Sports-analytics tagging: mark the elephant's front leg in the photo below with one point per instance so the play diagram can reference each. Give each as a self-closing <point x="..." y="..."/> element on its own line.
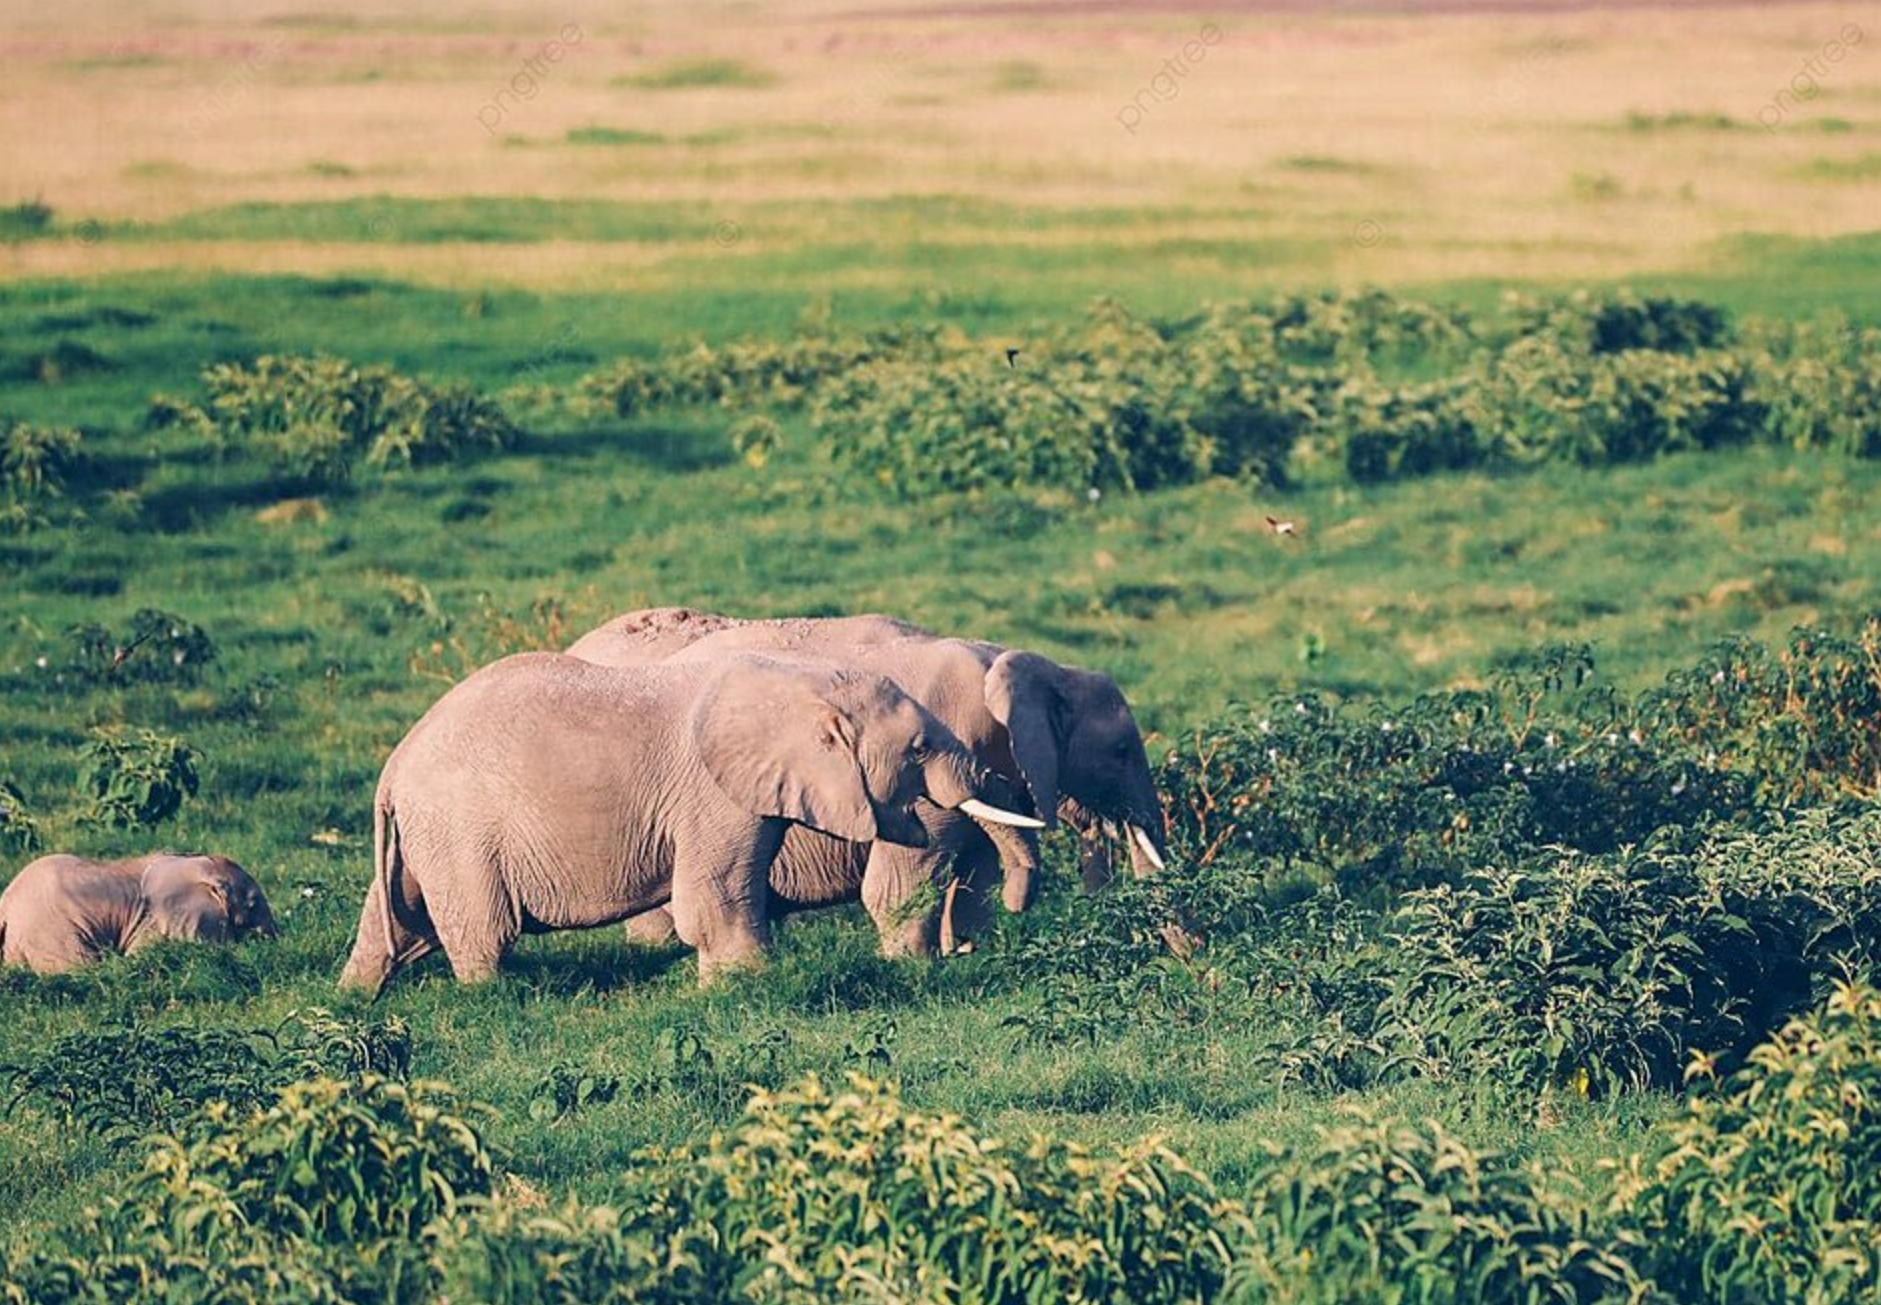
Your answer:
<point x="722" y="893"/>
<point x="901" y="890"/>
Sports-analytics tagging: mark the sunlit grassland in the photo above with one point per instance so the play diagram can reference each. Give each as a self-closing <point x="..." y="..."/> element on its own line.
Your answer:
<point x="680" y="176"/>
<point x="862" y="149"/>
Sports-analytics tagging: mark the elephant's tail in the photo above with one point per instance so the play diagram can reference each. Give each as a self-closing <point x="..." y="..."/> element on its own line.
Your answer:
<point x="367" y="969"/>
<point x="385" y="857"/>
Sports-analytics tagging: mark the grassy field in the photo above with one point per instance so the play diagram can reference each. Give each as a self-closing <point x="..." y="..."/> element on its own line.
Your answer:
<point x="226" y="186"/>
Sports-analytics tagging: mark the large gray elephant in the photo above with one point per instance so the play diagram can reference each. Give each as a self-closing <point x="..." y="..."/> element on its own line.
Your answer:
<point x="62" y="911"/>
<point x="545" y="792"/>
<point x="1063" y="735"/>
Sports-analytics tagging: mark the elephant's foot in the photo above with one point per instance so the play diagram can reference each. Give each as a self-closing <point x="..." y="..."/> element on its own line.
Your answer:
<point x="366" y="974"/>
<point x="474" y="968"/>
<point x="722" y="963"/>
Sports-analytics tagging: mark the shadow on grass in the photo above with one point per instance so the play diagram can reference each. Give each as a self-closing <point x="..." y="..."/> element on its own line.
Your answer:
<point x="661" y="448"/>
<point x="591" y="962"/>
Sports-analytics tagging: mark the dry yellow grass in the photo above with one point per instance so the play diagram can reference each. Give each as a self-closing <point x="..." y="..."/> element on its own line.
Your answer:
<point x="1397" y="146"/>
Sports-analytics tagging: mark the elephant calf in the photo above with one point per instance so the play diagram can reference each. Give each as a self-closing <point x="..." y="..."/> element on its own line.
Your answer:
<point x="545" y="792"/>
<point x="62" y="911"/>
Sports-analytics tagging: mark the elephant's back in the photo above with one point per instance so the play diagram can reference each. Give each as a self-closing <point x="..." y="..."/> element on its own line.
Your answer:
<point x="42" y="886"/>
<point x="651" y="635"/>
<point x="516" y="710"/>
<point x="45" y="872"/>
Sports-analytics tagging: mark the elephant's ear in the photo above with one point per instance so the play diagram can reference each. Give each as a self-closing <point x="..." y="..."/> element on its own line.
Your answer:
<point x="778" y="746"/>
<point x="185" y="900"/>
<point x="1022" y="694"/>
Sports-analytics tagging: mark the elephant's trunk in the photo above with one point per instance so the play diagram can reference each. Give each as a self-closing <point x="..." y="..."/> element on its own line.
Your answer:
<point x="955" y="781"/>
<point x="994" y="804"/>
<point x="951" y="777"/>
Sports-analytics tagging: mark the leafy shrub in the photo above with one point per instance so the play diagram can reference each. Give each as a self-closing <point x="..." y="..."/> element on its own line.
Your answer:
<point x="26" y="219"/>
<point x="19" y="828"/>
<point x="1822" y="389"/>
<point x="137" y="778"/>
<point x="1382" y="1212"/>
<point x="158" y="646"/>
<point x="1769" y="1188"/>
<point x="819" y="1195"/>
<point x="1413" y="794"/>
<point x="316" y="417"/>
<point x="755" y="439"/>
<point x="1614" y="321"/>
<point x="137" y="1079"/>
<point x="1804" y="720"/>
<point x="327" y="1195"/>
<point x="37" y="464"/>
<point x="37" y="461"/>
<point x="1381" y="386"/>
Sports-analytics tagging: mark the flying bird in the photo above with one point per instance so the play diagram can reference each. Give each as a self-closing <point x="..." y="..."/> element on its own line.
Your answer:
<point x="1012" y="356"/>
<point x="1284" y="527"/>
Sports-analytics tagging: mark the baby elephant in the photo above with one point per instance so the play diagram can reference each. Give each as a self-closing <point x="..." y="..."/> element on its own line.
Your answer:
<point x="63" y="911"/>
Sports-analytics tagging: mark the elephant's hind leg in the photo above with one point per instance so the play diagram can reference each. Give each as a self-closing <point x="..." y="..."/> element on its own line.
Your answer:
<point x="479" y="930"/>
<point x="388" y="942"/>
<point x="466" y="890"/>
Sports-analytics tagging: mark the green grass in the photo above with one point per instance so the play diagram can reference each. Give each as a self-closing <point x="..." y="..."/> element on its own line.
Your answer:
<point x="331" y="623"/>
<point x="1860" y="167"/>
<point x="688" y="74"/>
<point x="612" y="136"/>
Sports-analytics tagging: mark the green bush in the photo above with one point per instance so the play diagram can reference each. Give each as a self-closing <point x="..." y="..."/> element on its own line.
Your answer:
<point x="134" y="1079"/>
<point x="327" y="1195"/>
<point x="1381" y="386"/>
<point x="158" y="646"/>
<point x="19" y="828"/>
<point x="317" y="417"/>
<point x="1804" y="720"/>
<point x="821" y="1195"/>
<point x="1769" y="1188"/>
<point x="1411" y="794"/>
<point x="136" y="778"/>
<point x="371" y="1190"/>
<point x="37" y="466"/>
<point x="1376" y="1212"/>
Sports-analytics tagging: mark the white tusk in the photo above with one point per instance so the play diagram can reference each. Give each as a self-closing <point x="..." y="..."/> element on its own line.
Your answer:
<point x="1149" y="849"/>
<point x="975" y="807"/>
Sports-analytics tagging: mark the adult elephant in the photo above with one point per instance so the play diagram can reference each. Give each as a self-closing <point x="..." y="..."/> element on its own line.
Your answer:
<point x="1062" y="734"/>
<point x="63" y="911"/>
<point x="545" y="792"/>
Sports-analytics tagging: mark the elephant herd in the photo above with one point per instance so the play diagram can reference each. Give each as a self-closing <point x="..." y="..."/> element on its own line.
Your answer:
<point x="693" y="775"/>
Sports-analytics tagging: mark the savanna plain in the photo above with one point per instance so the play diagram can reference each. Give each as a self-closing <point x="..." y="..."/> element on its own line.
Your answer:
<point x="1457" y="429"/>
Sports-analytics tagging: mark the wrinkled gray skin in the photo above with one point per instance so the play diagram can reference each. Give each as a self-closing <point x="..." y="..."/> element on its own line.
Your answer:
<point x="1062" y="735"/>
<point x="545" y="792"/>
<point x="63" y="911"/>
